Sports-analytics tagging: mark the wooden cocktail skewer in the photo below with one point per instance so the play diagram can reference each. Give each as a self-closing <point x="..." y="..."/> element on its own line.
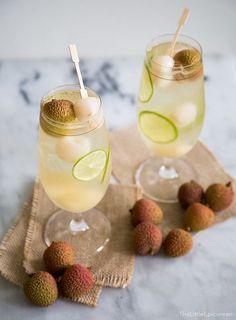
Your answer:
<point x="181" y="23"/>
<point x="75" y="59"/>
<point x="88" y="105"/>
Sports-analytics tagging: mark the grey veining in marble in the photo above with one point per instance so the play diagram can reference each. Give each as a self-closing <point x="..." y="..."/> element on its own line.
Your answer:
<point x="162" y="288"/>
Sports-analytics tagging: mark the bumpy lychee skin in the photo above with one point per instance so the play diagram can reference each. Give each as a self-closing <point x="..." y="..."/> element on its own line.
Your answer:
<point x="59" y="110"/>
<point x="76" y="281"/>
<point x="189" y="193"/>
<point x="177" y="243"/>
<point x="41" y="289"/>
<point x="146" y="210"/>
<point x="198" y="217"/>
<point x="59" y="256"/>
<point x="219" y="196"/>
<point x="147" y="239"/>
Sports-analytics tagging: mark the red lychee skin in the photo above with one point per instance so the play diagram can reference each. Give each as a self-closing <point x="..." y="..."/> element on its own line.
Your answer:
<point x="147" y="239"/>
<point x="76" y="281"/>
<point x="145" y="210"/>
<point x="189" y="193"/>
<point x="219" y="197"/>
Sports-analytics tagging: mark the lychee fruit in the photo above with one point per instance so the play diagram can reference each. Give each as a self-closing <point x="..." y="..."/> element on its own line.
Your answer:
<point x="219" y="196"/>
<point x="41" y="289"/>
<point x="146" y="210"/>
<point x="189" y="193"/>
<point x="59" y="256"/>
<point x="147" y="239"/>
<point x="198" y="217"/>
<point x="76" y="280"/>
<point x="177" y="243"/>
<point x="59" y="110"/>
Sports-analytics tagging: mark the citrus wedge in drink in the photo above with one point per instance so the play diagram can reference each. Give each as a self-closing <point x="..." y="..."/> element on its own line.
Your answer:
<point x="90" y="165"/>
<point x="106" y="165"/>
<point x="157" y="127"/>
<point x="146" y="86"/>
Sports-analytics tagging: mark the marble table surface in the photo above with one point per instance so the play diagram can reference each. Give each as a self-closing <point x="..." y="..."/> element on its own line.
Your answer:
<point x="197" y="286"/>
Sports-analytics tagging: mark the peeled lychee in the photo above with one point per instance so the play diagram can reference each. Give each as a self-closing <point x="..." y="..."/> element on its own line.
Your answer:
<point x="184" y="114"/>
<point x="85" y="108"/>
<point x="147" y="239"/>
<point x="219" y="196"/>
<point x="146" y="210"/>
<point x="59" y="256"/>
<point x="198" y="217"/>
<point x="187" y="57"/>
<point x="71" y="148"/>
<point x="189" y="193"/>
<point x="76" y="281"/>
<point x="162" y="65"/>
<point x="177" y="243"/>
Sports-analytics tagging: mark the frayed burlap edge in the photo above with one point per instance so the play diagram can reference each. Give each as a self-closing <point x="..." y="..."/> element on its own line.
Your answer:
<point x="4" y="271"/>
<point x="31" y="225"/>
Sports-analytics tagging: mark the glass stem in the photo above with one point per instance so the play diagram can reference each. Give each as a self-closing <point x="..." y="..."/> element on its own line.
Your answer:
<point x="77" y="226"/>
<point x="167" y="171"/>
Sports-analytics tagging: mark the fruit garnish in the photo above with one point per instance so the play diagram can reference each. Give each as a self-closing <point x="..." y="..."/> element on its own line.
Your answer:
<point x="59" y="110"/>
<point x="186" y="57"/>
<point x="90" y="166"/>
<point x="106" y="165"/>
<point x="184" y="115"/>
<point x="85" y="108"/>
<point x="146" y="86"/>
<point x="157" y="127"/>
<point x="71" y="148"/>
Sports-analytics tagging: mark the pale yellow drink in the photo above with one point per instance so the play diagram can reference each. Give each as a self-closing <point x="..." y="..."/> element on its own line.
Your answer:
<point x="170" y="115"/>
<point x="62" y="146"/>
<point x="171" y="102"/>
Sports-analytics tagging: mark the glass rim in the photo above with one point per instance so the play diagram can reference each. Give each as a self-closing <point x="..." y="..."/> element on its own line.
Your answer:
<point x="175" y="68"/>
<point x="72" y="127"/>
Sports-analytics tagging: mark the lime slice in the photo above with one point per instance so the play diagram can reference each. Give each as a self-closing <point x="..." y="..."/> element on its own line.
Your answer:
<point x="90" y="166"/>
<point x="146" y="86"/>
<point x="156" y="127"/>
<point x="106" y="166"/>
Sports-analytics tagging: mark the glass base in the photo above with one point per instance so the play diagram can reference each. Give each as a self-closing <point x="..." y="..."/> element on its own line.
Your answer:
<point x="88" y="232"/>
<point x="161" y="180"/>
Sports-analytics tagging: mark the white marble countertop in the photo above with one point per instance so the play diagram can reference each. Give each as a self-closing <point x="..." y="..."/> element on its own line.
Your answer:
<point x="162" y="288"/>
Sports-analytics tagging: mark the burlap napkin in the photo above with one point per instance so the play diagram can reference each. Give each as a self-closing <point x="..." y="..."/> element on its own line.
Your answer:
<point x="114" y="265"/>
<point x="128" y="151"/>
<point x="12" y="256"/>
<point x="12" y="248"/>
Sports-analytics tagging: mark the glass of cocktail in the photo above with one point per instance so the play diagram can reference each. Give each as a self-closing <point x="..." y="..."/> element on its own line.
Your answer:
<point x="74" y="169"/>
<point x="170" y="114"/>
